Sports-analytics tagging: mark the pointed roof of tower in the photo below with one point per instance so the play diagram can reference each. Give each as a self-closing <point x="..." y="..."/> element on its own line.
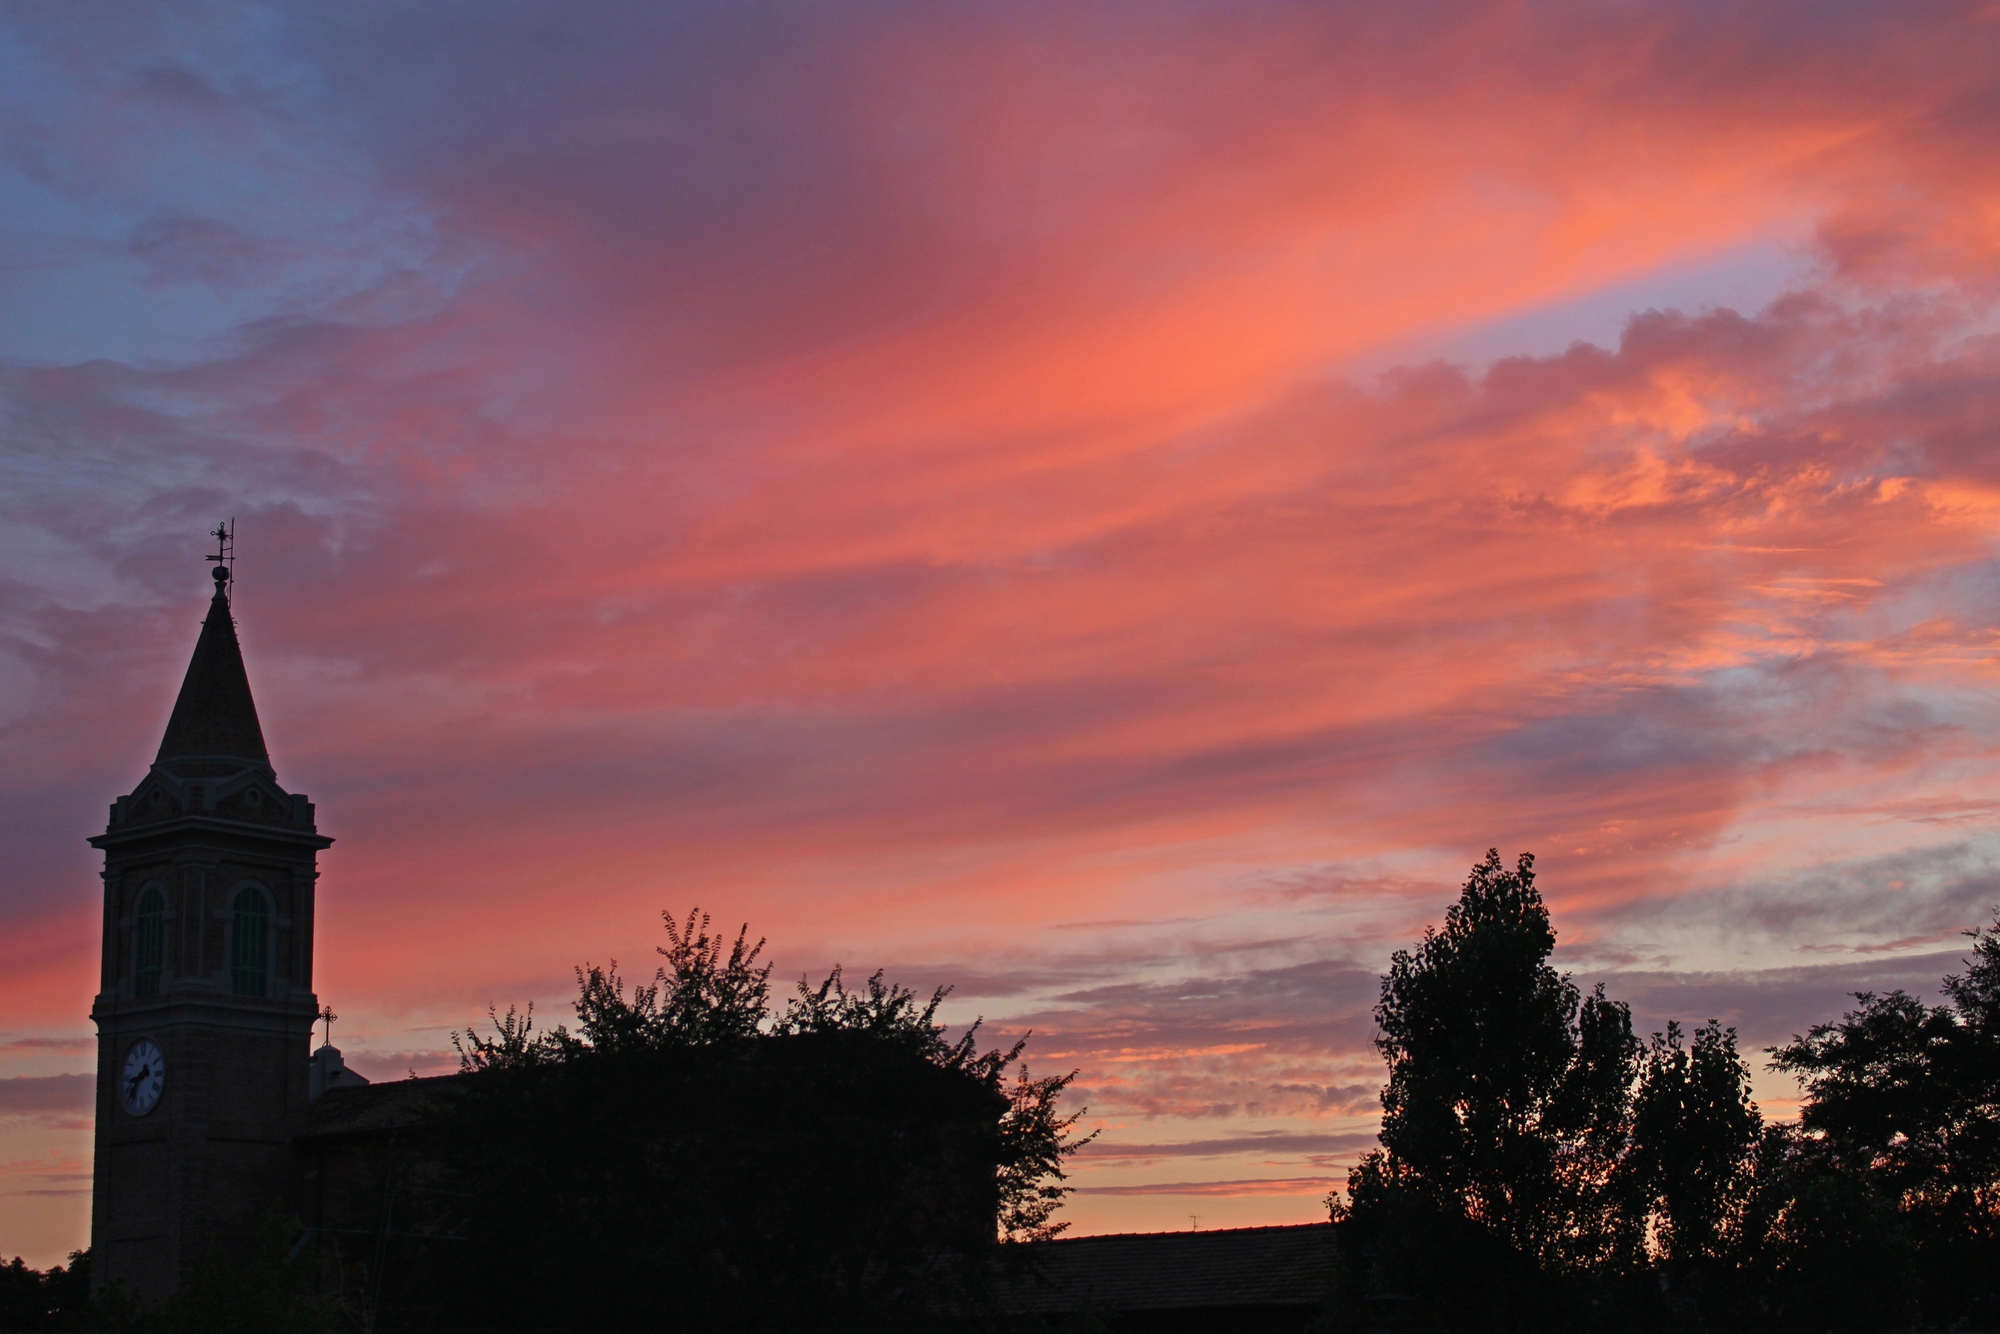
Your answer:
<point x="215" y="716"/>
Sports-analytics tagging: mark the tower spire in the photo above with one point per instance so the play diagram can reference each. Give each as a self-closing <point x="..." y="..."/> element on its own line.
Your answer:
<point x="214" y="717"/>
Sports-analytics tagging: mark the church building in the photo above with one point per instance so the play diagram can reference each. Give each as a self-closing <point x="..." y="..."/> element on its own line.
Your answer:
<point x="214" y="1114"/>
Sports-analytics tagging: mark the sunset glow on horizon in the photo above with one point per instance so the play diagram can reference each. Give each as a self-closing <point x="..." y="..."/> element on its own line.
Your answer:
<point x="1111" y="508"/>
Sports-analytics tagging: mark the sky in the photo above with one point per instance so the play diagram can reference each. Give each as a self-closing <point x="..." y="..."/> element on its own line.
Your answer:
<point x="1110" y="507"/>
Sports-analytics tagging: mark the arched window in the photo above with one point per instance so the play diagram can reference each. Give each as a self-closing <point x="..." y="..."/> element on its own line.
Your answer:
<point x="249" y="948"/>
<point x="149" y="939"/>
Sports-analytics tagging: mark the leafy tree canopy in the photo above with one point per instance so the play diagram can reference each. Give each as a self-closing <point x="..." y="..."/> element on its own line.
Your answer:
<point x="1507" y="1089"/>
<point x="1540" y="1169"/>
<point x="712" y="990"/>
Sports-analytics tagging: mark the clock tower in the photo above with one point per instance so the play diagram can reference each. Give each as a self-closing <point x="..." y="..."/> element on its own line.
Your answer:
<point x="205" y="1006"/>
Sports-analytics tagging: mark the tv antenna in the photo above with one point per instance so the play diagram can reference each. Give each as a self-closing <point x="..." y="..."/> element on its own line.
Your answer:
<point x="225" y="556"/>
<point x="1196" y="1220"/>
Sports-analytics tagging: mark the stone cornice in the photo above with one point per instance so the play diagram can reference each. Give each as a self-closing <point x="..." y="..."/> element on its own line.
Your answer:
<point x="233" y="830"/>
<point x="295" y="1015"/>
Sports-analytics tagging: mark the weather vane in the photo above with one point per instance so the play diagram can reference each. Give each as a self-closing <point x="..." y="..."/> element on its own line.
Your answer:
<point x="225" y="554"/>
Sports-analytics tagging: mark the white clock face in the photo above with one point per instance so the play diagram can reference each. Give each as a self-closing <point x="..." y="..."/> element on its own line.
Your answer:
<point x="145" y="1074"/>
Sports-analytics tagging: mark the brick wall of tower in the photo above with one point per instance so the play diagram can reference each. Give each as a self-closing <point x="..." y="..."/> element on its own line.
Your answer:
<point x="198" y="891"/>
<point x="195" y="1177"/>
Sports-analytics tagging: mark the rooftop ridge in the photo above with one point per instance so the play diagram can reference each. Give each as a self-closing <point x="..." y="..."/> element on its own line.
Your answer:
<point x="1190" y="1232"/>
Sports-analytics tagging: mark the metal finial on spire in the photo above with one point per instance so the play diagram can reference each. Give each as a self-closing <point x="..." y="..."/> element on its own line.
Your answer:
<point x="327" y="1016"/>
<point x="224" y="534"/>
<point x="214" y="716"/>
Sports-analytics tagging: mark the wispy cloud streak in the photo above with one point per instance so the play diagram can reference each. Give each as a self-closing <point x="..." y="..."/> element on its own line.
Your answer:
<point x="917" y="479"/>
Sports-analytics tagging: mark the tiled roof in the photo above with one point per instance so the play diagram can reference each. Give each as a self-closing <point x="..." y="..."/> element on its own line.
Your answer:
<point x="1178" y="1271"/>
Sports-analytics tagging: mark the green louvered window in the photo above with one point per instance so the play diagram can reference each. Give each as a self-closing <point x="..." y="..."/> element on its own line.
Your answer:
<point x="249" y="945"/>
<point x="149" y="941"/>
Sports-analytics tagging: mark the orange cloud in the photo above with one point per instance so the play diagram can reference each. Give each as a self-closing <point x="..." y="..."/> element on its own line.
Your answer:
<point x="905" y="479"/>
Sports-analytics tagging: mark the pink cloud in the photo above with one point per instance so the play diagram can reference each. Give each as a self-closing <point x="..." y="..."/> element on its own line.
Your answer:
<point x="30" y="1095"/>
<point x="1253" y="1186"/>
<point x="890" y="476"/>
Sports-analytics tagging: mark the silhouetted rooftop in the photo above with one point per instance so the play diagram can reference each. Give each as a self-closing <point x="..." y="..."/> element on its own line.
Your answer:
<point x="375" y="1109"/>
<point x="1250" y="1268"/>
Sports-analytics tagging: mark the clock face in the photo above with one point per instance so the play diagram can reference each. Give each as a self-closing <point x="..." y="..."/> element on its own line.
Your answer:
<point x="145" y="1074"/>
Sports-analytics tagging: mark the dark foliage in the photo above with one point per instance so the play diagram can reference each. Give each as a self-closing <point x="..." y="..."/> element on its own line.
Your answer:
<point x="269" y="1290"/>
<point x="1034" y="1136"/>
<point x="1824" y="1248"/>
<point x="1539" y="1169"/>
<point x="686" y="1157"/>
<point x="34" y="1299"/>
<point x="1903" y="1101"/>
<point x="1503" y="1119"/>
<point x="1693" y="1132"/>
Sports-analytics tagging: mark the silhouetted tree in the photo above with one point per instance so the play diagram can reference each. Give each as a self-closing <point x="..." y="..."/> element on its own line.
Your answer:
<point x="700" y="996"/>
<point x="686" y="1155"/>
<point x="1538" y="1170"/>
<point x="1503" y="1119"/>
<point x="1902" y="1112"/>
<point x="35" y="1299"/>
<point x="267" y="1291"/>
<point x="1824" y="1249"/>
<point x="1694" y="1130"/>
<point x="1877" y="1089"/>
<point x="1035" y="1137"/>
